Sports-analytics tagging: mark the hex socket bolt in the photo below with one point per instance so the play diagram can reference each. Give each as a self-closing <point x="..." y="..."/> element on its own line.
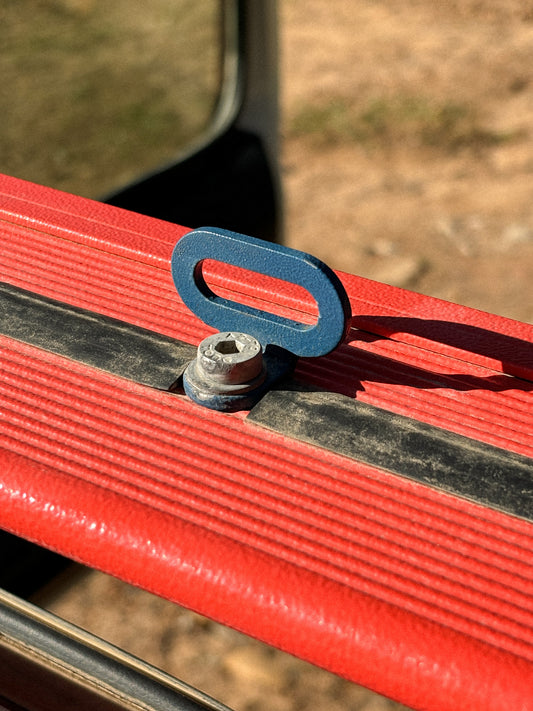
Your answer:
<point x="228" y="362"/>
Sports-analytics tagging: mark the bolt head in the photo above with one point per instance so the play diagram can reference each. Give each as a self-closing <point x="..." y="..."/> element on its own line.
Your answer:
<point x="230" y="358"/>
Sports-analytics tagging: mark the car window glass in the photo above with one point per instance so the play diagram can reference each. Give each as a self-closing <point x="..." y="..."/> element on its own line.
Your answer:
<point x="94" y="94"/>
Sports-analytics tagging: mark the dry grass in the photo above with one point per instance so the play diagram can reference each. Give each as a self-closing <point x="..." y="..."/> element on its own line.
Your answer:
<point x="388" y="122"/>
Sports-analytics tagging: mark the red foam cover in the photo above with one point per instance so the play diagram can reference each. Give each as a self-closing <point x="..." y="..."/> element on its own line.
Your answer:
<point x="417" y="594"/>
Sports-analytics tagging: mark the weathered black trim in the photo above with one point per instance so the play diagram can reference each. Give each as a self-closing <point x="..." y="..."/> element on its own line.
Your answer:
<point x="99" y="341"/>
<point x="443" y="460"/>
<point x="45" y="661"/>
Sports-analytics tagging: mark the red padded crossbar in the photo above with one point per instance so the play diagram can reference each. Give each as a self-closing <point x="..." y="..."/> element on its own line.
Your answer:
<point x="415" y="593"/>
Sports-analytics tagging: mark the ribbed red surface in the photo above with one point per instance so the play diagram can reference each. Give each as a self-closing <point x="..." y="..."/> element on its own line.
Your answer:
<point x="423" y="596"/>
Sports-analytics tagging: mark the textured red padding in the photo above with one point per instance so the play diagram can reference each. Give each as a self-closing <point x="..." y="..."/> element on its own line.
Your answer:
<point x="420" y="595"/>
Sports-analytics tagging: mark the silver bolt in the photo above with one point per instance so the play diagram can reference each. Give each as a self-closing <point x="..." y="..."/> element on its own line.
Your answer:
<point x="228" y="362"/>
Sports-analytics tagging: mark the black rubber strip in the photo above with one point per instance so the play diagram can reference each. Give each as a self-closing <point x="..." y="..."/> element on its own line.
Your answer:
<point x="99" y="341"/>
<point x="461" y="466"/>
<point x="58" y="662"/>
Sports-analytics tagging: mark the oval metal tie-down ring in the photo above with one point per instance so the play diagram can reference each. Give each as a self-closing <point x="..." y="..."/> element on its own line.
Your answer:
<point x="272" y="260"/>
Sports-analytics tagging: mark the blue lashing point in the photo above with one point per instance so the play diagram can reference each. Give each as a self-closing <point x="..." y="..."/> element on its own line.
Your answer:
<point x="282" y="340"/>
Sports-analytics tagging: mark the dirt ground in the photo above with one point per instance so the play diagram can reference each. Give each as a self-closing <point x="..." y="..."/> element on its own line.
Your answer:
<point x="407" y="158"/>
<point x="408" y="148"/>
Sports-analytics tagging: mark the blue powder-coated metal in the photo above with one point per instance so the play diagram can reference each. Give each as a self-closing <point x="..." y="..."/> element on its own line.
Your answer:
<point x="272" y="260"/>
